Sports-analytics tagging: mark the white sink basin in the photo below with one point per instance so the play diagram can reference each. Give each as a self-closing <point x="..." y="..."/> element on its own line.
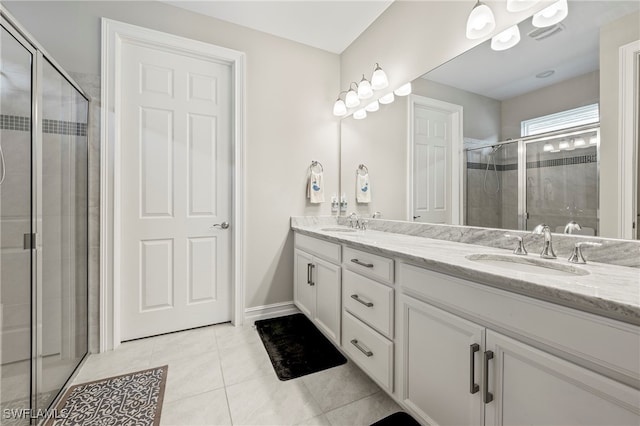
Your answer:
<point x="528" y="264"/>
<point x="338" y="229"/>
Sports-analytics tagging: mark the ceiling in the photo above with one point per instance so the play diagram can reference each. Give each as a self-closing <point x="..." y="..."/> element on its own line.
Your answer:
<point x="570" y="53"/>
<point x="330" y="25"/>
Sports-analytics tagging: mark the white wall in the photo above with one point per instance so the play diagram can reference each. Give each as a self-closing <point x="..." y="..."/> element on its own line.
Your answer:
<point x="572" y="93"/>
<point x="612" y="36"/>
<point x="284" y="131"/>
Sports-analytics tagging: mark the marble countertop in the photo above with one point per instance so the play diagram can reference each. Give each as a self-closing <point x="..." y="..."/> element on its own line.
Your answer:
<point x="607" y="290"/>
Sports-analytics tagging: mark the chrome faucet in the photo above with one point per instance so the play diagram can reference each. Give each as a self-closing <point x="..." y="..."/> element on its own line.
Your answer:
<point x="520" y="249"/>
<point x="572" y="227"/>
<point x="377" y="215"/>
<point x="354" y="220"/>
<point x="576" y="256"/>
<point x="547" y="248"/>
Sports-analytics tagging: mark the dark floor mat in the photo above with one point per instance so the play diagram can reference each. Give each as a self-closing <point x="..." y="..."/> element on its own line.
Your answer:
<point x="397" y="419"/>
<point x="296" y="347"/>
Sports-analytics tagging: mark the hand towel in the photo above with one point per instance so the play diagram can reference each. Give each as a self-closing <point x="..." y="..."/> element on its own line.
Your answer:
<point x="363" y="189"/>
<point x="315" y="187"/>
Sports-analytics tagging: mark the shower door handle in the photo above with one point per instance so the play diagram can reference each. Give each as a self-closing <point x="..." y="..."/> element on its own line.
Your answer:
<point x="29" y="241"/>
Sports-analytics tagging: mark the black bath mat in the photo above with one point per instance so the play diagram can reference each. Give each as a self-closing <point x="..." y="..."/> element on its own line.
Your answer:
<point x="296" y="347"/>
<point x="397" y="419"/>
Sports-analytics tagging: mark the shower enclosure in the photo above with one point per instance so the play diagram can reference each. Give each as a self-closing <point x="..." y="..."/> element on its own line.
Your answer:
<point x="43" y="227"/>
<point x="549" y="178"/>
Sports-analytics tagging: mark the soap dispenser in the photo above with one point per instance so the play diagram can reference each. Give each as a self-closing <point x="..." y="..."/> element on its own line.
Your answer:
<point x="334" y="204"/>
<point x="343" y="203"/>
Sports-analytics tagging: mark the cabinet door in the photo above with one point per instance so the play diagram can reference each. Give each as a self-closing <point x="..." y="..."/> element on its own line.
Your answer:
<point x="442" y="365"/>
<point x="328" y="298"/>
<point x="530" y="386"/>
<point x="304" y="289"/>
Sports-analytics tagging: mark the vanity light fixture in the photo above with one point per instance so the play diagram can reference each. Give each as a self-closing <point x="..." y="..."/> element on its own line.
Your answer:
<point x="564" y="145"/>
<point x="551" y="15"/>
<point x="360" y="114"/>
<point x="403" y="90"/>
<point x="364" y="89"/>
<point x="519" y="5"/>
<point x="379" y="79"/>
<point x="481" y="21"/>
<point x="372" y="107"/>
<point x="548" y="147"/>
<point x="506" y="39"/>
<point x="340" y="108"/>
<point x="579" y="143"/>
<point x="387" y="99"/>
<point x="593" y="140"/>
<point x="352" y="100"/>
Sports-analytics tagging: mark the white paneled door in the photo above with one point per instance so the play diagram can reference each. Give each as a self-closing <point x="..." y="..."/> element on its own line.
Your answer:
<point x="175" y="186"/>
<point x="436" y="136"/>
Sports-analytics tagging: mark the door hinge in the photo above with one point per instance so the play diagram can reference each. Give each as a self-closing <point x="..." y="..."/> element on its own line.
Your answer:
<point x="29" y="241"/>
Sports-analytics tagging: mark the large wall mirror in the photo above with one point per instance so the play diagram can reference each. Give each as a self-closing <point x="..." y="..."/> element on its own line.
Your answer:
<point x="502" y="139"/>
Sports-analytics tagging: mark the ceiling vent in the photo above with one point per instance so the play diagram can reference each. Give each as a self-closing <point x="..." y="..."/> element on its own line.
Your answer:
<point x="546" y="32"/>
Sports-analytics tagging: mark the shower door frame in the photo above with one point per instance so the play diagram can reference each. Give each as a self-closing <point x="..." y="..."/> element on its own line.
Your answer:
<point x="39" y="56"/>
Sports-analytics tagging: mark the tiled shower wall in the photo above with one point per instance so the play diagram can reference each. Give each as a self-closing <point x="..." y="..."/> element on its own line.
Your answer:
<point x="560" y="188"/>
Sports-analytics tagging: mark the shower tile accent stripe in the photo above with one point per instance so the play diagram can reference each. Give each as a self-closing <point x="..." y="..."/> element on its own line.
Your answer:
<point x="56" y="127"/>
<point x="580" y="159"/>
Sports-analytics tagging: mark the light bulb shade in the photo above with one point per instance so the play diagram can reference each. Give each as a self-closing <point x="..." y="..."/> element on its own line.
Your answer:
<point x="519" y="5"/>
<point x="387" y="99"/>
<point x="403" y="90"/>
<point x="360" y="114"/>
<point x="481" y="21"/>
<point x="579" y="142"/>
<point x="373" y="106"/>
<point x="547" y="147"/>
<point x="506" y="39"/>
<point x="593" y="140"/>
<point x="379" y="79"/>
<point x="351" y="100"/>
<point x="339" y="108"/>
<point x="563" y="145"/>
<point x="551" y="15"/>
<point x="364" y="89"/>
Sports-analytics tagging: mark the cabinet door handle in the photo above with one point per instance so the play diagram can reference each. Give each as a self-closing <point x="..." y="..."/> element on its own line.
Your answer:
<point x="357" y="299"/>
<point x="473" y="387"/>
<point x="488" y="396"/>
<point x="310" y="267"/>
<point x="367" y="352"/>
<point x="366" y="265"/>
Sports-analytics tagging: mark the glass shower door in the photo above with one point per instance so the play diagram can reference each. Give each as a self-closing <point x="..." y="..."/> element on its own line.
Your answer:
<point x="562" y="181"/>
<point x="16" y="63"/>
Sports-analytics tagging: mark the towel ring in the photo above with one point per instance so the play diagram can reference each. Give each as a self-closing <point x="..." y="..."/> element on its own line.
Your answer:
<point x="315" y="163"/>
<point x="362" y="168"/>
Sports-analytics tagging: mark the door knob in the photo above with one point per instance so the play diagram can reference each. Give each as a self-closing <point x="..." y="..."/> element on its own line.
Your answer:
<point x="223" y="225"/>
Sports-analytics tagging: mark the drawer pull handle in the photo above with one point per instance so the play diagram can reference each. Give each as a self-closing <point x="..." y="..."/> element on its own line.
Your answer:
<point x="488" y="396"/>
<point x="366" y="265"/>
<point x="473" y="387"/>
<point x="367" y="352"/>
<point x="357" y="299"/>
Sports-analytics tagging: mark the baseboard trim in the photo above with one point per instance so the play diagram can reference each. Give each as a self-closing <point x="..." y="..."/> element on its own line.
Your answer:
<point x="256" y="313"/>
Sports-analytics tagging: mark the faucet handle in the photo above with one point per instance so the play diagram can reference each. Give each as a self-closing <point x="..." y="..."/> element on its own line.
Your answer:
<point x="576" y="256"/>
<point x="363" y="224"/>
<point x="519" y="250"/>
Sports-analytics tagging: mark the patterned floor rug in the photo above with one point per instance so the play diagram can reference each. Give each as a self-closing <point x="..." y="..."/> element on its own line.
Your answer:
<point x="130" y="399"/>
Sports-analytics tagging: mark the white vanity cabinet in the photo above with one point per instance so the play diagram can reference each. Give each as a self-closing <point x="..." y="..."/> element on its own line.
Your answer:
<point x="317" y="283"/>
<point x="459" y="371"/>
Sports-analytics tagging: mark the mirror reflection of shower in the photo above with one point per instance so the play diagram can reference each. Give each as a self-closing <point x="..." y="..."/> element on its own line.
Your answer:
<point x="490" y="160"/>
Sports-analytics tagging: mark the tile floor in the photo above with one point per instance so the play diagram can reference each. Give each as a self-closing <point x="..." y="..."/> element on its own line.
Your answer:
<point x="221" y="375"/>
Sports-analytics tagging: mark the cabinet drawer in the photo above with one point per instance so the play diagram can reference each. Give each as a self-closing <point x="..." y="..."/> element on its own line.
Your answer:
<point x="369" y="264"/>
<point x="372" y="352"/>
<point x="324" y="249"/>
<point x="368" y="300"/>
